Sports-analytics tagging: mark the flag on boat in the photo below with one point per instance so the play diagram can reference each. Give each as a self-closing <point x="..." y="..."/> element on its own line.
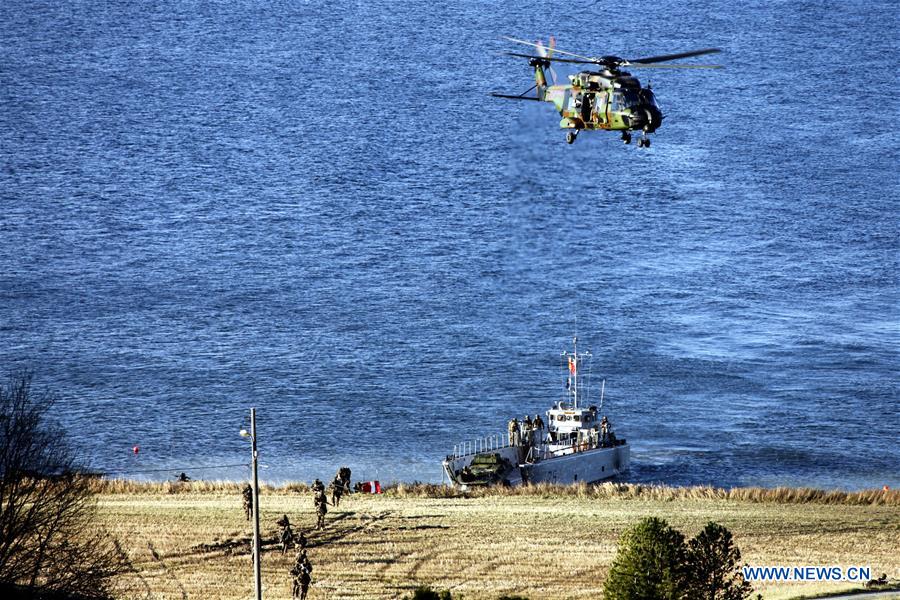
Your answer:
<point x="572" y="365"/>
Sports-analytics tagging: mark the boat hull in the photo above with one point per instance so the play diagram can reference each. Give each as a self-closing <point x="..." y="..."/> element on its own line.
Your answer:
<point x="587" y="466"/>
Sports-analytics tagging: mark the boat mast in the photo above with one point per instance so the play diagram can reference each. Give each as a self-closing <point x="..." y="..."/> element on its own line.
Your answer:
<point x="575" y="373"/>
<point x="572" y="360"/>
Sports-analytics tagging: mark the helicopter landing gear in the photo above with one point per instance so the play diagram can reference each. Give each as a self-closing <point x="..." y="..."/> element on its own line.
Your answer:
<point x="571" y="136"/>
<point x="644" y="142"/>
<point x="626" y="137"/>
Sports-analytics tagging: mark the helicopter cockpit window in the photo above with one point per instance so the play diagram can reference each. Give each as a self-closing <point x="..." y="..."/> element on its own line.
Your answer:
<point x="625" y="99"/>
<point x="647" y="97"/>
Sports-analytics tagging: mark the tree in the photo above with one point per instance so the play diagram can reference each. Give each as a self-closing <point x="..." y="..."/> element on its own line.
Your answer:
<point x="50" y="545"/>
<point x="650" y="564"/>
<point x="714" y="561"/>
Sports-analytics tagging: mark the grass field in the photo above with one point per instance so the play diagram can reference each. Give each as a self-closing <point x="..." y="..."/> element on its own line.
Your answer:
<point x="189" y="541"/>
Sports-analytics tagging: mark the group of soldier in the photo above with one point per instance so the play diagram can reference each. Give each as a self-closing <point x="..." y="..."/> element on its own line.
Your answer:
<point x="528" y="431"/>
<point x="523" y="433"/>
<point x="301" y="572"/>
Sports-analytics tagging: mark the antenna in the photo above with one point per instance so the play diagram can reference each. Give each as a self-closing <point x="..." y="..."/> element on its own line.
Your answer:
<point x="572" y="361"/>
<point x="575" y="382"/>
<point x="602" y="390"/>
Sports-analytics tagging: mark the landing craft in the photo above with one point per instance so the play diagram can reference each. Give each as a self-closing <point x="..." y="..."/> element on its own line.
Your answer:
<point x="576" y="445"/>
<point x="608" y="98"/>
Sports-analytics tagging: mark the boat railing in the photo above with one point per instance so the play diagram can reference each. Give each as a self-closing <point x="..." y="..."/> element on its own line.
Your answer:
<point x="539" y="451"/>
<point x="543" y="452"/>
<point x="485" y="444"/>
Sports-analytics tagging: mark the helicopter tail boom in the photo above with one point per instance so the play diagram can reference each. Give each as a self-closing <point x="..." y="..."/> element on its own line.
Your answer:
<point x="511" y="97"/>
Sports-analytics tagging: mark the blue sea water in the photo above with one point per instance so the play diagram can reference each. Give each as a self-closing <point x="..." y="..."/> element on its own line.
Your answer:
<point x="315" y="209"/>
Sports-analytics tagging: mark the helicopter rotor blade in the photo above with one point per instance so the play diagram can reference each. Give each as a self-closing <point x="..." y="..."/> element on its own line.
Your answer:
<point x="555" y="59"/>
<point x="669" y="66"/>
<point x="532" y="44"/>
<point x="667" y="57"/>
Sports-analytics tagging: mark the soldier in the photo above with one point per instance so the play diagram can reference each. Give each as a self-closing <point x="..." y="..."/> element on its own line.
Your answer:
<point x="321" y="511"/>
<point x="514" y="432"/>
<point x="604" y="430"/>
<point x="344" y="474"/>
<point x="247" y="494"/>
<point x="301" y="574"/>
<point x="538" y="423"/>
<point x="337" y="489"/>
<point x="302" y="541"/>
<point x="287" y="535"/>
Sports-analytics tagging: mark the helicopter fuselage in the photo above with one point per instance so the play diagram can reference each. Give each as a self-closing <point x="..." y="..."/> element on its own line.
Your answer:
<point x="604" y="100"/>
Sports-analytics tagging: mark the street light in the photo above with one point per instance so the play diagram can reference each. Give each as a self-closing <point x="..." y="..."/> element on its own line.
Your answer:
<point x="256" y="559"/>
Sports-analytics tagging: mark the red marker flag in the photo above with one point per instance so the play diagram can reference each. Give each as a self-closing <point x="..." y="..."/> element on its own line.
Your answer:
<point x="571" y="365"/>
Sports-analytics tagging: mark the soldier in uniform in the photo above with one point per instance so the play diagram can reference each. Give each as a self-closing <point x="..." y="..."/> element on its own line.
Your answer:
<point x="302" y="541"/>
<point x="604" y="431"/>
<point x="321" y="510"/>
<point x="527" y="432"/>
<point x="337" y="490"/>
<point x="344" y="475"/>
<point x="301" y="575"/>
<point x="247" y="494"/>
<point x="538" y="423"/>
<point x="287" y="535"/>
<point x="514" y="432"/>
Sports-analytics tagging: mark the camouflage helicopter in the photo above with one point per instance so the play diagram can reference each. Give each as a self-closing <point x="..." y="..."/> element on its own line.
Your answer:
<point x="608" y="98"/>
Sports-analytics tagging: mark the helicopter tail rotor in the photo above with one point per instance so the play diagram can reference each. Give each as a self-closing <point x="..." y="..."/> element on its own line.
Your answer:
<point x="547" y="52"/>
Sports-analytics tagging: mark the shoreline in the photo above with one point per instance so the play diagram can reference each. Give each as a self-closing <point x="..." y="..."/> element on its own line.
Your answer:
<point x="604" y="490"/>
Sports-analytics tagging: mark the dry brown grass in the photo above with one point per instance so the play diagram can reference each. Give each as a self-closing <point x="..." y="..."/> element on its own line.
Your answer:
<point x="127" y="486"/>
<point x="188" y="540"/>
<point x="603" y="491"/>
<point x="661" y="493"/>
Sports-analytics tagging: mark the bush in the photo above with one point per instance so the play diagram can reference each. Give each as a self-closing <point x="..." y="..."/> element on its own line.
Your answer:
<point x="650" y="563"/>
<point x="714" y="566"/>
<point x="653" y="562"/>
<point x="423" y="592"/>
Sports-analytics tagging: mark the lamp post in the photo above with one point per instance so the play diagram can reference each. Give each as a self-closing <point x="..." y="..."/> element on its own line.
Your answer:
<point x="257" y="581"/>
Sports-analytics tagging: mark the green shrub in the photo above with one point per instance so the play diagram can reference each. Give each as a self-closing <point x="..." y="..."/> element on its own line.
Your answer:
<point x="655" y="563"/>
<point x="650" y="564"/>
<point x="423" y="592"/>
<point x="714" y="566"/>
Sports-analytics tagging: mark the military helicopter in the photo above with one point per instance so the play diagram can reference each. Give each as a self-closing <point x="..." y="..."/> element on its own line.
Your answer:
<point x="608" y="98"/>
